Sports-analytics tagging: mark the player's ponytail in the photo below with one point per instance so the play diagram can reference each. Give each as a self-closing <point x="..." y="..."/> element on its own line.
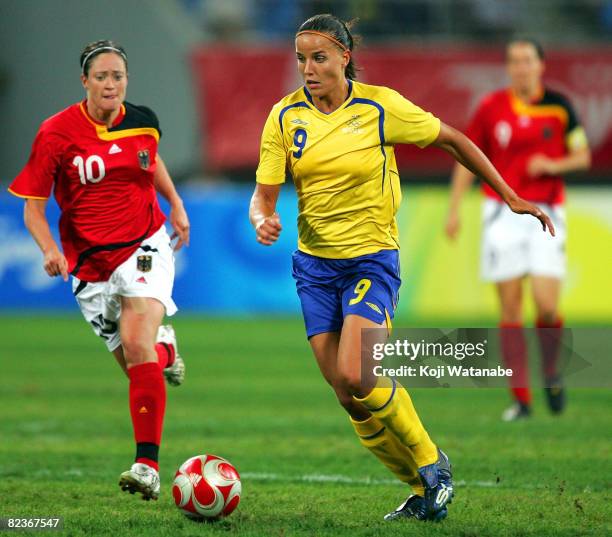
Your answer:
<point x="339" y="32"/>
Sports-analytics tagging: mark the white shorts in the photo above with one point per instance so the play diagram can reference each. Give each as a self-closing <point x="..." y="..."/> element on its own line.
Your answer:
<point x="514" y="245"/>
<point x="151" y="276"/>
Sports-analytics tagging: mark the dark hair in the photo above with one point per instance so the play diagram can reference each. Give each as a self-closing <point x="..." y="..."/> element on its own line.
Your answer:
<point x="339" y="30"/>
<point x="530" y="41"/>
<point x="100" y="47"/>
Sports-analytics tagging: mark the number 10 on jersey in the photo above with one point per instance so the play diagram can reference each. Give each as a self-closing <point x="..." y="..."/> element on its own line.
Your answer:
<point x="86" y="168"/>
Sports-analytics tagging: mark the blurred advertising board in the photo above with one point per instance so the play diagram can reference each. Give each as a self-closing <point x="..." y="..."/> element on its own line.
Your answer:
<point x="225" y="272"/>
<point x="237" y="86"/>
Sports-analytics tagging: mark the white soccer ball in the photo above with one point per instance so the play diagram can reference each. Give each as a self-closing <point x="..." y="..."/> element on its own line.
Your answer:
<point x="206" y="487"/>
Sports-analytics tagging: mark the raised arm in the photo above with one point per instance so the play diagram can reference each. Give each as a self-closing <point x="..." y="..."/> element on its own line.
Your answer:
<point x="262" y="213"/>
<point x="55" y="264"/>
<point x="464" y="151"/>
<point x="178" y="215"/>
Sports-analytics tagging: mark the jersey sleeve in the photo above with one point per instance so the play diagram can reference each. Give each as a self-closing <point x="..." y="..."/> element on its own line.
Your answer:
<point x="575" y="135"/>
<point x="272" y="158"/>
<point x="138" y="116"/>
<point x="37" y="177"/>
<point x="406" y="123"/>
<point x="152" y="119"/>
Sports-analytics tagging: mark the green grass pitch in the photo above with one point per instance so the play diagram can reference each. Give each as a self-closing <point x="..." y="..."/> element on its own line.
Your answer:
<point x="253" y="395"/>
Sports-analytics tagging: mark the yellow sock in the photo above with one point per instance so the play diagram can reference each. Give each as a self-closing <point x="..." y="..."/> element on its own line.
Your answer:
<point x="390" y="403"/>
<point x="377" y="438"/>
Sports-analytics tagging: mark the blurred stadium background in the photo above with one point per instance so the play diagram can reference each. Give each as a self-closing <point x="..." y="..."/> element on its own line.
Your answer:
<point x="211" y="70"/>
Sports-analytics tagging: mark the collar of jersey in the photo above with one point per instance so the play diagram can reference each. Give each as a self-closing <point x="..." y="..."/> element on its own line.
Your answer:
<point x="117" y="120"/>
<point x="535" y="100"/>
<point x="343" y="105"/>
<point x="535" y="108"/>
<point x="107" y="135"/>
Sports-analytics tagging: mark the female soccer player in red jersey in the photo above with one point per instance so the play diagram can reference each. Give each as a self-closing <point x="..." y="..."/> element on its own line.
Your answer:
<point x="336" y="137"/>
<point x="100" y="158"/>
<point x="532" y="136"/>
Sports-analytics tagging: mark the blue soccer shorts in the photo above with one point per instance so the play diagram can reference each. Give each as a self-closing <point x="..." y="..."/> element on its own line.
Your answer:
<point x="331" y="289"/>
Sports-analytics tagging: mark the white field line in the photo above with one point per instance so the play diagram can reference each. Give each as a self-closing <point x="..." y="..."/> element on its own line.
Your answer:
<point x="307" y="478"/>
<point x="336" y="478"/>
<point x="331" y="478"/>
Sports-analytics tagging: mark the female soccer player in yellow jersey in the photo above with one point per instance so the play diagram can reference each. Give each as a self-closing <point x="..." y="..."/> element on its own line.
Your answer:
<point x="336" y="137"/>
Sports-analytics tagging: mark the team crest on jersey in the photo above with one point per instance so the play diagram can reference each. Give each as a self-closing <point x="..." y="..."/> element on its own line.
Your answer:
<point x="144" y="263"/>
<point x="143" y="159"/>
<point x="353" y="125"/>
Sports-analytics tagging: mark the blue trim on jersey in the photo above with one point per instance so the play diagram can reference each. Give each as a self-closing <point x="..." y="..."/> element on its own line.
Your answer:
<point x="381" y="130"/>
<point x="309" y="97"/>
<point x="301" y="104"/>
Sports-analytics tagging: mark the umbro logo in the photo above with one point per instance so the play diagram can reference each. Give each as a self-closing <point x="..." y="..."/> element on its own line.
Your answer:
<point x="114" y="149"/>
<point x="444" y="494"/>
<point x="299" y="121"/>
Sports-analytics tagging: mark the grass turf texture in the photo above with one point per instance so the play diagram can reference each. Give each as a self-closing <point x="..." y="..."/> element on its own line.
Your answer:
<point x="253" y="395"/>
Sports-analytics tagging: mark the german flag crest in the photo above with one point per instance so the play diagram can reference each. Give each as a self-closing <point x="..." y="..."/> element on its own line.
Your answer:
<point x="143" y="159"/>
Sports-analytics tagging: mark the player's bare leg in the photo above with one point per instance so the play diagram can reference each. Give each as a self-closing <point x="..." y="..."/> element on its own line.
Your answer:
<point x="371" y="433"/>
<point x="510" y="294"/>
<point x="549" y="328"/>
<point x="140" y="319"/>
<point x="120" y="357"/>
<point x="426" y="468"/>
<point x="514" y="347"/>
<point x="139" y="322"/>
<point x="546" y="294"/>
<point x="166" y="348"/>
<point x="325" y="348"/>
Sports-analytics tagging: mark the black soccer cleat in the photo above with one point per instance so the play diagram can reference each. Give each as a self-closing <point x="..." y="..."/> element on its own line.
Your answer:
<point x="437" y="480"/>
<point x="412" y="508"/>
<point x="555" y="394"/>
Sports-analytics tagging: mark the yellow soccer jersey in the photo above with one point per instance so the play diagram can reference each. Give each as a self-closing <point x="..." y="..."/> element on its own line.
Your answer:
<point x="343" y="166"/>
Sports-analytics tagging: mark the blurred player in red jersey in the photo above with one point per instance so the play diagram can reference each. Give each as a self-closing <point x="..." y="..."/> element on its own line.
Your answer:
<point x="533" y="136"/>
<point x="100" y="158"/>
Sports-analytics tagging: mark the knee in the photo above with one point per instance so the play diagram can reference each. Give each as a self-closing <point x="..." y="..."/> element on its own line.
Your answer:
<point x="349" y="384"/>
<point x="346" y="385"/>
<point x="136" y="350"/>
<point x="345" y="399"/>
<point x="547" y="316"/>
<point x="511" y="315"/>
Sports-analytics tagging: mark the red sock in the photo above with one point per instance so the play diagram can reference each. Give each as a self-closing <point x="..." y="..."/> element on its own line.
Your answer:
<point x="165" y="354"/>
<point x="514" y="353"/>
<point x="549" y="336"/>
<point x="147" y="407"/>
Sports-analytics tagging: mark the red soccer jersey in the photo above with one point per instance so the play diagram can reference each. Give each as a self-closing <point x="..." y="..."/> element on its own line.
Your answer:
<point x="510" y="132"/>
<point x="103" y="183"/>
